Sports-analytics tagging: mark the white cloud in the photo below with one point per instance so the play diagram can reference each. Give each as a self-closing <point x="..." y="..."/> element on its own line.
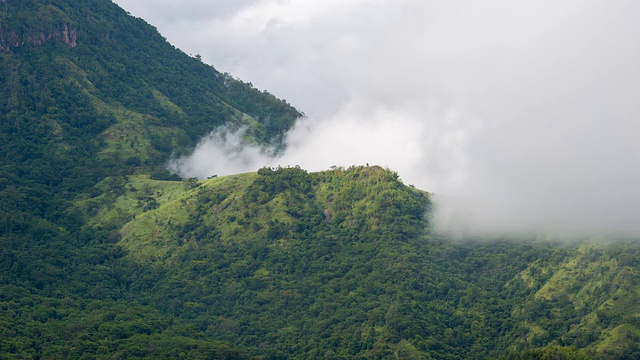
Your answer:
<point x="527" y="110"/>
<point x="425" y="147"/>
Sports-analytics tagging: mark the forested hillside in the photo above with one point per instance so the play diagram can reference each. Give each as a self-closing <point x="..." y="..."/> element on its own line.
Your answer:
<point x="88" y="91"/>
<point x="342" y="263"/>
<point x="106" y="255"/>
<point x="290" y="264"/>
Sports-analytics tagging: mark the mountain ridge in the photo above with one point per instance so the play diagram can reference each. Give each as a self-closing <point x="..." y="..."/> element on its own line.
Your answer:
<point x="121" y="100"/>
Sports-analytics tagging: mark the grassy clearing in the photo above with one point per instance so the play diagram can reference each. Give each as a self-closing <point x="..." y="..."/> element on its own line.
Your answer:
<point x="155" y="233"/>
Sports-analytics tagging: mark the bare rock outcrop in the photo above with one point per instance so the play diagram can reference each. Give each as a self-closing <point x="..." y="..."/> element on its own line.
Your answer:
<point x="12" y="39"/>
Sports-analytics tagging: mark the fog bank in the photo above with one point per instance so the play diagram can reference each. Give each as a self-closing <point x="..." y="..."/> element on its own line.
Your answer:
<point x="524" y="115"/>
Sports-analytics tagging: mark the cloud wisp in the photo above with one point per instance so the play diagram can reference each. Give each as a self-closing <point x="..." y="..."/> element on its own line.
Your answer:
<point x="524" y="113"/>
<point x="416" y="144"/>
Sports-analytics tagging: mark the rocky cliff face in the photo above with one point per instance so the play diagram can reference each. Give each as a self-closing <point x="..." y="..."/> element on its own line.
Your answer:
<point x="12" y="39"/>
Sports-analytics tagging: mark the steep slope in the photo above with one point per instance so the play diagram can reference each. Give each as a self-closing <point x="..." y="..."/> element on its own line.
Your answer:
<point x="87" y="91"/>
<point x="124" y="62"/>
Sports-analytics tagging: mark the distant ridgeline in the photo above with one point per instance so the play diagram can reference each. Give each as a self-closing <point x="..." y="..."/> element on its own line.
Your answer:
<point x="104" y="255"/>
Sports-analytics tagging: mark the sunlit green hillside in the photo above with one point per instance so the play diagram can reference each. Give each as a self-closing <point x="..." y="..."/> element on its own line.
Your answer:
<point x="343" y="262"/>
<point x="88" y="91"/>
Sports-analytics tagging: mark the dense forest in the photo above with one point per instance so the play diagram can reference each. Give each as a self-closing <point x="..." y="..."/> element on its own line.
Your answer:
<point x="104" y="254"/>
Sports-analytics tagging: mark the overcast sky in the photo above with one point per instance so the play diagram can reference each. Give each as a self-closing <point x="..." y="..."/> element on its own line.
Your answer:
<point x="525" y="114"/>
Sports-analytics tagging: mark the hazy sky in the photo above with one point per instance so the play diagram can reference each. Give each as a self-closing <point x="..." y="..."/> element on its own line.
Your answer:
<point x="526" y="114"/>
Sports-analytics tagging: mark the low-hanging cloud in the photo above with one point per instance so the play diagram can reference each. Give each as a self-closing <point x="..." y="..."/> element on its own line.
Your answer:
<point x="431" y="141"/>
<point x="223" y="152"/>
<point x="524" y="115"/>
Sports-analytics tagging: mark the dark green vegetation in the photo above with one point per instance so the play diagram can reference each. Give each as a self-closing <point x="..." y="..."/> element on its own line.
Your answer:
<point x="287" y="264"/>
<point x="88" y="91"/>
<point x="103" y="256"/>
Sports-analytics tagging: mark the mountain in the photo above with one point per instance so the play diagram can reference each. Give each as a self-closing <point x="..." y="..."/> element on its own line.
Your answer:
<point x="342" y="263"/>
<point x="288" y="264"/>
<point x="88" y="91"/>
<point x="106" y="255"/>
